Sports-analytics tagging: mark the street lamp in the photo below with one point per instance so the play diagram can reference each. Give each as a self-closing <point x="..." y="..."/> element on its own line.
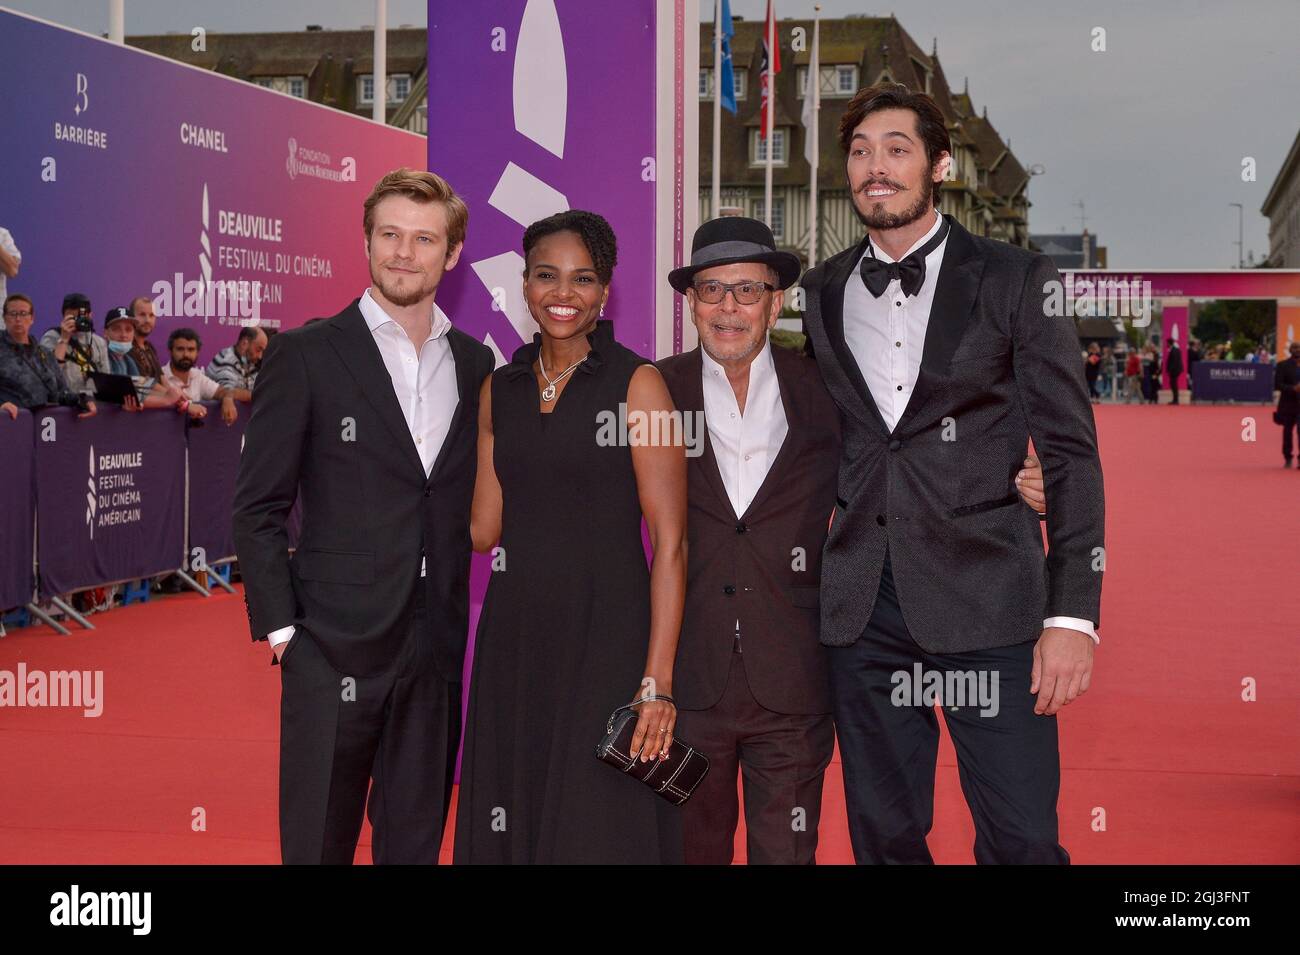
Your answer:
<point x="1240" y="216"/>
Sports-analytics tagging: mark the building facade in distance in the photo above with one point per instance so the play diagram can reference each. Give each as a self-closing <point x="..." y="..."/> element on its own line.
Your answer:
<point x="1282" y="207"/>
<point x="986" y="191"/>
<point x="331" y="67"/>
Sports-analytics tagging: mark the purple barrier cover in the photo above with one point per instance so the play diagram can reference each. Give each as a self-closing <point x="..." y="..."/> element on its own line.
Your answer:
<point x="110" y="496"/>
<point x="214" y="465"/>
<point x="17" y="510"/>
<point x="1232" y="381"/>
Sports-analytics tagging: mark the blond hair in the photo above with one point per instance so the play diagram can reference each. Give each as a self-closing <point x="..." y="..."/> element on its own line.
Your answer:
<point x="422" y="187"/>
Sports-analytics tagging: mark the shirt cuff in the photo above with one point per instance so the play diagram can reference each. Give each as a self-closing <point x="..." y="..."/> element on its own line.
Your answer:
<point x="277" y="637"/>
<point x="1073" y="623"/>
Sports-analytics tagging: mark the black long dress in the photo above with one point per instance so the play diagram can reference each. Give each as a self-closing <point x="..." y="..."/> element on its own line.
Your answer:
<point x="563" y="634"/>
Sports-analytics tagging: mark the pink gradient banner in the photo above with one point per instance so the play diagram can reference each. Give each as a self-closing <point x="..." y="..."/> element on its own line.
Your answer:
<point x="123" y="169"/>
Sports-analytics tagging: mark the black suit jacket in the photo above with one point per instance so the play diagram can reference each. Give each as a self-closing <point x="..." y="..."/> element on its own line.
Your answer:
<point x="747" y="569"/>
<point x="326" y="427"/>
<point x="1285" y="378"/>
<point x="1174" y="361"/>
<point x="938" y="491"/>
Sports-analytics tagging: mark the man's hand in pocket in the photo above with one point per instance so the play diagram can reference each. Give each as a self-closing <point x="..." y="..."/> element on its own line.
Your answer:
<point x="279" y="648"/>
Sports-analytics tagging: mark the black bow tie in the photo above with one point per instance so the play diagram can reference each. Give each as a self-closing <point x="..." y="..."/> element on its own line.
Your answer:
<point x="910" y="271"/>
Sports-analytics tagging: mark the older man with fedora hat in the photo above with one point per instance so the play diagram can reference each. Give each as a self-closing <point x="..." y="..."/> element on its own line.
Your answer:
<point x="751" y="680"/>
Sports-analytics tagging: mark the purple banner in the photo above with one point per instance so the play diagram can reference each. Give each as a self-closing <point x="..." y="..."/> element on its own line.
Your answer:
<point x="17" y="515"/>
<point x="540" y="106"/>
<point x="110" y="496"/>
<point x="213" y="465"/>
<point x="1232" y="381"/>
<point x="129" y="174"/>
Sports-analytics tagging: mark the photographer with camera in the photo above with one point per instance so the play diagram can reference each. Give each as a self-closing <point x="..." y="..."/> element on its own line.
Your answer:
<point x="29" y="375"/>
<point x="75" y="346"/>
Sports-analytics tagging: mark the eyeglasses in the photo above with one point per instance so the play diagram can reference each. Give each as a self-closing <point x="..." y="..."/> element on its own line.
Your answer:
<point x="12" y="314"/>
<point x="745" y="293"/>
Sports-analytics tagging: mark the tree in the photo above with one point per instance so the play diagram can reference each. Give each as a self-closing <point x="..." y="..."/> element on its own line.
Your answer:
<point x="1211" y="326"/>
<point x="1253" y="320"/>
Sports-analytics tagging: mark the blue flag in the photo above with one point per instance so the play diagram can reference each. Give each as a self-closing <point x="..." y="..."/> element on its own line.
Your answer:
<point x="728" y="79"/>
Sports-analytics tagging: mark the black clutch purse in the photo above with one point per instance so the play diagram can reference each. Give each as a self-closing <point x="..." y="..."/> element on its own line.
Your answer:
<point x="673" y="777"/>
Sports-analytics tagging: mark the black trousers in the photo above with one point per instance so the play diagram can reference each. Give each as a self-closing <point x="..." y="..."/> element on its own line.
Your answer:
<point x="1290" y="425"/>
<point x="1008" y="763"/>
<point x="393" y="735"/>
<point x="782" y="759"/>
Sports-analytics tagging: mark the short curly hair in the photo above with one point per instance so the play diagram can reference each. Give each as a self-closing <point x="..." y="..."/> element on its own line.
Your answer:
<point x="591" y="228"/>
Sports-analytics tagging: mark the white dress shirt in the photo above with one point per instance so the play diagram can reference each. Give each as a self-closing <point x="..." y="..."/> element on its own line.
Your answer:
<point x="424" y="380"/>
<point x="745" y="445"/>
<point x="198" y="387"/>
<point x="7" y="243"/>
<point x="886" y="337"/>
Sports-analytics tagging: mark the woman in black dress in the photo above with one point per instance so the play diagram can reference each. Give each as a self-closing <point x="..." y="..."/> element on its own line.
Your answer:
<point x="574" y="624"/>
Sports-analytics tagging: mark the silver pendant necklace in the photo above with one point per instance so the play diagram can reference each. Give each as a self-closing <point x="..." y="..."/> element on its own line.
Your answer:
<point x="548" y="393"/>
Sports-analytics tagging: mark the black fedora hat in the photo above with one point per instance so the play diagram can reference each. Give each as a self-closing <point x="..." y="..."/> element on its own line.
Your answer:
<point x="731" y="239"/>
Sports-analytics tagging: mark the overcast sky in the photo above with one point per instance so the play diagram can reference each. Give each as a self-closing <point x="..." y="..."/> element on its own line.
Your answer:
<point x="1149" y="135"/>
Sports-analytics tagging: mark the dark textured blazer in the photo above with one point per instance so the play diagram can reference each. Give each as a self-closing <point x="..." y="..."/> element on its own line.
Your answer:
<point x="748" y="568"/>
<point x="938" y="491"/>
<point x="368" y="510"/>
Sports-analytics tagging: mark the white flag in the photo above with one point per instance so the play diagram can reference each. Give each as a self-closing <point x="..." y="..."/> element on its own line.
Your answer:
<point x="810" y="97"/>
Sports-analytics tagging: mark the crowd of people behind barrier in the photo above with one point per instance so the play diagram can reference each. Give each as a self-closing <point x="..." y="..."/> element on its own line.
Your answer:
<point x="1132" y="374"/>
<point x="72" y="364"/>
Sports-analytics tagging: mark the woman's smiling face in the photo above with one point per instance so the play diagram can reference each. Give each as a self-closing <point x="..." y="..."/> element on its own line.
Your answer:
<point x="561" y="287"/>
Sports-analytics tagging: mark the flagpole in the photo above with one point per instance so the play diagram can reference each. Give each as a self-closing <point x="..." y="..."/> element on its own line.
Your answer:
<point x="771" y="112"/>
<point x="117" y="21"/>
<point x="379" y="72"/>
<point x="717" y="109"/>
<point x="814" y="90"/>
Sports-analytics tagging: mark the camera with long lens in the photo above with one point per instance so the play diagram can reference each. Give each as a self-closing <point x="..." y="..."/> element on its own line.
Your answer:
<point x="84" y="322"/>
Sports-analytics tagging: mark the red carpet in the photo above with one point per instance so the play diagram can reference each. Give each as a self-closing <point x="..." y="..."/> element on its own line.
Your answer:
<point x="1199" y="596"/>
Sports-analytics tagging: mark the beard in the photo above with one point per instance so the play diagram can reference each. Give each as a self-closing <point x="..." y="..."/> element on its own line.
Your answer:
<point x="182" y="364"/>
<point x="877" y="218"/>
<point x="721" y="351"/>
<point x="396" y="294"/>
